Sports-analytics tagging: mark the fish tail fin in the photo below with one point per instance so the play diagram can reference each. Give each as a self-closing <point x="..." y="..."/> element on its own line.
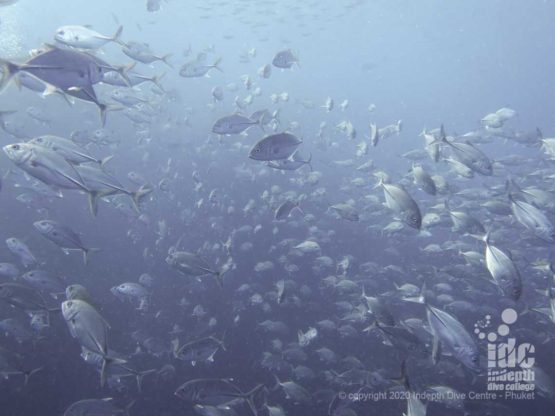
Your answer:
<point x="371" y="327"/>
<point x="298" y="206"/>
<point x="175" y="347"/>
<point x="138" y="196"/>
<point x="277" y="381"/>
<point x="259" y="123"/>
<point x="222" y="341"/>
<point x="86" y="252"/>
<point x="9" y="69"/>
<point x="105" y="160"/>
<point x="399" y="127"/>
<point x="107" y="360"/>
<point x="309" y="162"/>
<point x="442" y="135"/>
<point x="403" y="379"/>
<point x="250" y="397"/>
<point x="483" y="237"/>
<point x="220" y="279"/>
<point x="105" y="108"/>
<point x="217" y="66"/>
<point x="139" y="376"/>
<point x="380" y="183"/>
<point x="28" y="374"/>
<point x="117" y="36"/>
<point x="156" y="80"/>
<point x="165" y="59"/>
<point x="129" y="406"/>
<point x="93" y="202"/>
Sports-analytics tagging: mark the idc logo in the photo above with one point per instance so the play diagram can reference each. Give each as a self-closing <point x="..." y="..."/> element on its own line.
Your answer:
<point x="510" y="365"/>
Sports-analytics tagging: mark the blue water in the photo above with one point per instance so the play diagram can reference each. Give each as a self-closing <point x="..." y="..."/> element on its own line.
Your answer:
<point x="426" y="63"/>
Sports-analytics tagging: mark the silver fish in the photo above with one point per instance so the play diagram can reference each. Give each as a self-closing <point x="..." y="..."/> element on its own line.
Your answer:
<point x="275" y="147"/>
<point x="63" y="236"/>
<point x="284" y="210"/>
<point x="20" y="249"/>
<point x="400" y="202"/>
<point x="285" y="59"/>
<point x="233" y="124"/>
<point x="90" y="329"/>
<point x="46" y="165"/>
<point x="503" y="270"/>
<point x="532" y="219"/>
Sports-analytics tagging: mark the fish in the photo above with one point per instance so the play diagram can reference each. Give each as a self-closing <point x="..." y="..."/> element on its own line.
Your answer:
<point x="153" y="5"/>
<point x="63" y="236"/>
<point x="469" y="155"/>
<point x="196" y="68"/>
<point x="328" y="104"/>
<point x="451" y="334"/>
<point x="215" y="392"/>
<point x="285" y="59"/>
<point x="68" y="149"/>
<point x="423" y="180"/>
<point x="199" y="350"/>
<point x="141" y="52"/>
<point x="105" y="407"/>
<point x="346" y="211"/>
<point x="100" y="184"/>
<point x="234" y="124"/>
<point x="190" y="264"/>
<point x="502" y="269"/>
<point x="44" y="281"/>
<point x="294" y="391"/>
<point x="532" y="219"/>
<point x="275" y="147"/>
<point x="284" y="210"/>
<point x="401" y="203"/>
<point x="78" y="292"/>
<point x="46" y="165"/>
<point x="83" y="37"/>
<point x="9" y="270"/>
<point x="20" y="249"/>
<point x="293" y="162"/>
<point x="68" y="70"/>
<point x="265" y="71"/>
<point x="91" y="330"/>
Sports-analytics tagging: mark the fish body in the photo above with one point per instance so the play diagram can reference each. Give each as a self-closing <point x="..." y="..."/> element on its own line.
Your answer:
<point x="82" y="37"/>
<point x="275" y="147"/>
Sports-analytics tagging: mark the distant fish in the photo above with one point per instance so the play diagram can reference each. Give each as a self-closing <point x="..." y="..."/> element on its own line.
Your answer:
<point x="285" y="59"/>
<point x="63" y="236"/>
<point x="153" y="5"/>
<point x="284" y="210"/>
<point x="196" y="68"/>
<point x="20" y="249"/>
<point x="141" y="52"/>
<point x="83" y="37"/>
<point x="233" y="124"/>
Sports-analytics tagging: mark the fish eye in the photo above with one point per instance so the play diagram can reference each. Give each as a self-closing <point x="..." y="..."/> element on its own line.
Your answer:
<point x="15" y="147"/>
<point x="61" y="32"/>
